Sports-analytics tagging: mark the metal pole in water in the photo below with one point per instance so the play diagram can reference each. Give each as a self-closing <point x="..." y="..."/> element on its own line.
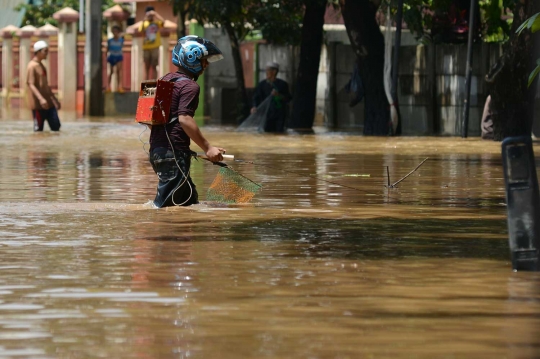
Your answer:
<point x="523" y="203"/>
<point x="466" y="104"/>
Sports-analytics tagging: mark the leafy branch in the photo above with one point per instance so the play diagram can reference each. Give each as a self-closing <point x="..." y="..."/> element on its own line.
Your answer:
<point x="532" y="24"/>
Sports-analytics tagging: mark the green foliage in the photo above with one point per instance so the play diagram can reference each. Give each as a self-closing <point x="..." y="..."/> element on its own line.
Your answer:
<point x="496" y="27"/>
<point x="180" y="6"/>
<point x="41" y="14"/>
<point x="280" y="22"/>
<point x="234" y="13"/>
<point x="533" y="25"/>
<point x="535" y="72"/>
<point x="277" y="21"/>
<point x="428" y="20"/>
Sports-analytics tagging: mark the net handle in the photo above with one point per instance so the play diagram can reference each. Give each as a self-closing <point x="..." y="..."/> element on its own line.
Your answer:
<point x="225" y="157"/>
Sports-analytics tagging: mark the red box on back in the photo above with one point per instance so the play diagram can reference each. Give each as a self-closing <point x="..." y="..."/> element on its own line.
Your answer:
<point x="154" y="104"/>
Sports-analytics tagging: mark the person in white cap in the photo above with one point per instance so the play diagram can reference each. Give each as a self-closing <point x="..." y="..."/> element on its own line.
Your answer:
<point x="41" y="99"/>
<point x="279" y="90"/>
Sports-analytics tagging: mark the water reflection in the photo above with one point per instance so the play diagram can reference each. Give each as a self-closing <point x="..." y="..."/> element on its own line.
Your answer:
<point x="325" y="263"/>
<point x="75" y="171"/>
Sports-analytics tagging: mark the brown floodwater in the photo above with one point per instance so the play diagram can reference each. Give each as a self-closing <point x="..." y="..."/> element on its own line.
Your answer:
<point x="325" y="262"/>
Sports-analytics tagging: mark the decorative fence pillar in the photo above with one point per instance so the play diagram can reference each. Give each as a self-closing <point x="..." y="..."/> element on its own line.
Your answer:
<point x="115" y="16"/>
<point x="25" y="55"/>
<point x="164" y="63"/>
<point x="67" y="57"/>
<point x="7" y="59"/>
<point x="137" y="61"/>
<point x="44" y="33"/>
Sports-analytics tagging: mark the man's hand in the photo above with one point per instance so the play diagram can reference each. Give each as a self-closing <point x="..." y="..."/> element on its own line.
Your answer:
<point x="44" y="104"/>
<point x="253" y="109"/>
<point x="214" y="154"/>
<point x="58" y="105"/>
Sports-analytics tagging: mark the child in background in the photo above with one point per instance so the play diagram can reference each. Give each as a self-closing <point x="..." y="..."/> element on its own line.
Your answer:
<point x="115" y="58"/>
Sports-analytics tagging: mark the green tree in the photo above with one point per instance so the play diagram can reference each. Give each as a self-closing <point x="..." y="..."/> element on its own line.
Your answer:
<point x="367" y="42"/>
<point x="42" y="13"/>
<point x="508" y="80"/>
<point x="305" y="94"/>
<point x="433" y="21"/>
<point x="181" y="9"/>
<point x="533" y="25"/>
<point x="280" y="22"/>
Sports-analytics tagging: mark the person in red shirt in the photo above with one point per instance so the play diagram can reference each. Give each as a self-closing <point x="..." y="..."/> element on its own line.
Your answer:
<point x="170" y="153"/>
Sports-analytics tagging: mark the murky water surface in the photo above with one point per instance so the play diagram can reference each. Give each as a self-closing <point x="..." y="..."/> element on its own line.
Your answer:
<point x="324" y="263"/>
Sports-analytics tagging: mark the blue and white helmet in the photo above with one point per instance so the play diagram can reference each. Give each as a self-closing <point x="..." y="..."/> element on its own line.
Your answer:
<point x="191" y="49"/>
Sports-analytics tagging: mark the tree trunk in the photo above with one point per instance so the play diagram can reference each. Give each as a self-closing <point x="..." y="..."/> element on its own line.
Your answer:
<point x="241" y="95"/>
<point x="508" y="79"/>
<point x="305" y="93"/>
<point x="181" y="23"/>
<point x="180" y="9"/>
<point x="367" y="42"/>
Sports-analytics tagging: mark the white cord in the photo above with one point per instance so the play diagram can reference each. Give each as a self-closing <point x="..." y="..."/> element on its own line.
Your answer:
<point x="144" y="143"/>
<point x="182" y="172"/>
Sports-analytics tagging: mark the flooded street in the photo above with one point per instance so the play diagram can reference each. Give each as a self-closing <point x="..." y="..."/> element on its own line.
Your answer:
<point x="325" y="262"/>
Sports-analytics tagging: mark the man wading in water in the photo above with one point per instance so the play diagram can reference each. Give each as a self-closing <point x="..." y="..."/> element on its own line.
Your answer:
<point x="170" y="154"/>
<point x="41" y="99"/>
<point x="276" y="117"/>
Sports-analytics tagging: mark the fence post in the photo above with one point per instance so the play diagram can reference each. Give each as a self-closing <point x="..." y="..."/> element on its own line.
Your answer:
<point x="67" y="58"/>
<point x="25" y="55"/>
<point x="7" y="60"/>
<point x="115" y="16"/>
<point x="164" y="63"/>
<point x="137" y="61"/>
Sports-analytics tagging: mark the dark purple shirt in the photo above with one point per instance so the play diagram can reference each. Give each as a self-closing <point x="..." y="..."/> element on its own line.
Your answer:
<point x="185" y="100"/>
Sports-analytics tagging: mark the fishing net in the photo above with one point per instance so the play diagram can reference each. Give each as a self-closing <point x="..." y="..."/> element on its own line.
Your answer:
<point x="257" y="120"/>
<point x="230" y="186"/>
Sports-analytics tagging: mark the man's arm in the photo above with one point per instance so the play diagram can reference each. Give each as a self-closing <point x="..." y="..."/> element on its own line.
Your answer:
<point x="40" y="98"/>
<point x="281" y="89"/>
<point x="192" y="130"/>
<point x="55" y="100"/>
<point x="159" y="17"/>
<point x="255" y="101"/>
